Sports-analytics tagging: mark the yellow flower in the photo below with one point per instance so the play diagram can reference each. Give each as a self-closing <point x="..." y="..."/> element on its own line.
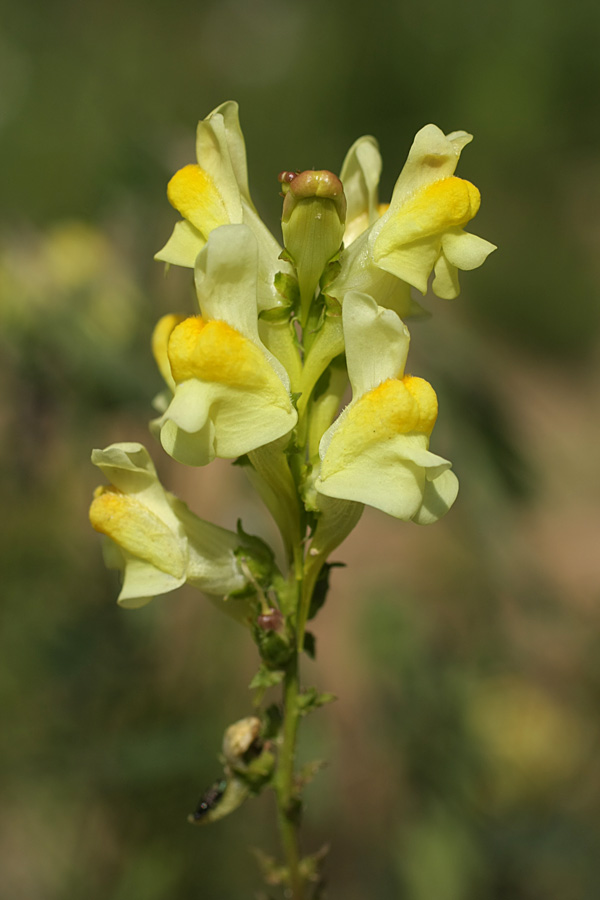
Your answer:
<point x="422" y="229"/>
<point x="377" y="451"/>
<point x="154" y="538"/>
<point x="215" y="192"/>
<point x="230" y="395"/>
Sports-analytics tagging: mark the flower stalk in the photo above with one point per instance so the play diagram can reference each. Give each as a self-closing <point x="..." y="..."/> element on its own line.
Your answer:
<point x="257" y="374"/>
<point x="288" y="804"/>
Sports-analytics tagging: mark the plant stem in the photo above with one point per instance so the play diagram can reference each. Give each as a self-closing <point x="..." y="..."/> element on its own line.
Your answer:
<point x="288" y="801"/>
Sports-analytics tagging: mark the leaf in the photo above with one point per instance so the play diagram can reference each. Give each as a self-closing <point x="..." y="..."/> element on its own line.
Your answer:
<point x="310" y="865"/>
<point x="272" y="871"/>
<point x="286" y="256"/>
<point x="332" y="270"/>
<point x="275" y="649"/>
<point x="309" y="771"/>
<point x="266" y="678"/>
<point x="322" y="587"/>
<point x="310" y="644"/>
<point x="310" y="700"/>
<point x="252" y="541"/>
<point x="272" y="721"/>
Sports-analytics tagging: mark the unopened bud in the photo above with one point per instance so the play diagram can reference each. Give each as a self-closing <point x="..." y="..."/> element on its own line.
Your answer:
<point x="270" y="621"/>
<point x="239" y="738"/>
<point x="284" y="178"/>
<point x="310" y="184"/>
<point x="314" y="215"/>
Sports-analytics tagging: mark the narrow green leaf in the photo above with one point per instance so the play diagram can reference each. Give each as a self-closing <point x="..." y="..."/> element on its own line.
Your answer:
<point x="266" y="678"/>
<point x="310" y="700"/>
<point x="310" y="644"/>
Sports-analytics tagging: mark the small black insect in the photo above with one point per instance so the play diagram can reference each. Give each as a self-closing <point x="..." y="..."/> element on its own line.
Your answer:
<point x="209" y="800"/>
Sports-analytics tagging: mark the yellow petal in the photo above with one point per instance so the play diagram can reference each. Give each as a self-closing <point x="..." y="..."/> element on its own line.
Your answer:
<point x="216" y="352"/>
<point x="426" y="400"/>
<point x="136" y="529"/>
<point x="194" y="194"/>
<point x="449" y="203"/>
<point x="160" y="341"/>
<point x="394" y="407"/>
<point x="183" y="246"/>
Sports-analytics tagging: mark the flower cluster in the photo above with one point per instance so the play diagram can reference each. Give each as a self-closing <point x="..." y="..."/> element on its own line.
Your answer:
<point x="259" y="370"/>
<point x="257" y="373"/>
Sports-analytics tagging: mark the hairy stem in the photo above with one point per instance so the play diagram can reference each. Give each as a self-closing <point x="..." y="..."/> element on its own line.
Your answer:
<point x="288" y="800"/>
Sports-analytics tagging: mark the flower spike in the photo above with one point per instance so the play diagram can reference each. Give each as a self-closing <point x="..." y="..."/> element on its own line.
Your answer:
<point x="259" y="374"/>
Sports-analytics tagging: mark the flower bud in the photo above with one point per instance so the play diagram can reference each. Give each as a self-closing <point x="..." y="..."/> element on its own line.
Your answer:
<point x="272" y="620"/>
<point x="314" y="216"/>
<point x="239" y="738"/>
<point x="248" y="758"/>
<point x="273" y="642"/>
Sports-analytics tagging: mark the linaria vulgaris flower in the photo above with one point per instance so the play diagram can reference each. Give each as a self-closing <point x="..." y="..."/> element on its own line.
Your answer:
<point x="154" y="538"/>
<point x="215" y="192"/>
<point x="389" y="249"/>
<point x="377" y="450"/>
<point x="230" y="394"/>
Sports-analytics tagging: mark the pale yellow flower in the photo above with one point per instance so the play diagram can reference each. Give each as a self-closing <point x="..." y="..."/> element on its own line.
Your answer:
<point x="215" y="192"/>
<point x="230" y="395"/>
<point x="377" y="451"/>
<point x="420" y="232"/>
<point x="154" y="538"/>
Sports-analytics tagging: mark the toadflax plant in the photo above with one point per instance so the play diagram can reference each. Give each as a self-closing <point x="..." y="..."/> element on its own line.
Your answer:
<point x="258" y="375"/>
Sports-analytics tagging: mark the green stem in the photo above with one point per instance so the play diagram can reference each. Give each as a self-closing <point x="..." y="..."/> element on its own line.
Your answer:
<point x="303" y="610"/>
<point x="288" y="801"/>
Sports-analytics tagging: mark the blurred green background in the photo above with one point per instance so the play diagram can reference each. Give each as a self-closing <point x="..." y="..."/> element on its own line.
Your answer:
<point x="463" y="747"/>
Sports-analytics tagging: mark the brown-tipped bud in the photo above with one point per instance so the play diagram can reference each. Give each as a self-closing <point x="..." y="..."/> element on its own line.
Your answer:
<point x="312" y="183"/>
<point x="270" y="621"/>
<point x="285" y="178"/>
<point x="314" y="215"/>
